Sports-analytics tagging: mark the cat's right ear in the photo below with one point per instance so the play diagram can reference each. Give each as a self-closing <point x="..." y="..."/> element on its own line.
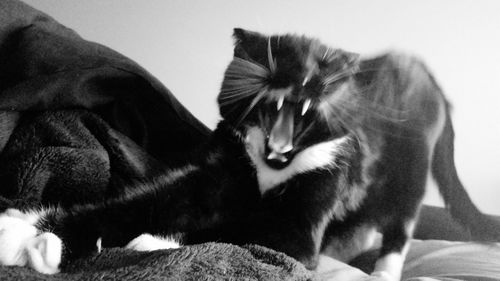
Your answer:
<point x="243" y="41"/>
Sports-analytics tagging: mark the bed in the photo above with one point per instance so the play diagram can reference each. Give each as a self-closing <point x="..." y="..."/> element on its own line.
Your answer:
<point x="79" y="122"/>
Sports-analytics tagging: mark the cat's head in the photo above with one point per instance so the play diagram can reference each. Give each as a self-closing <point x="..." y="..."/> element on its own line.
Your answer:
<point x="287" y="86"/>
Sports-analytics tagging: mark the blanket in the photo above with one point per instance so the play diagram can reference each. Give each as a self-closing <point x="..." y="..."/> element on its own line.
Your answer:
<point x="79" y="122"/>
<point x="76" y="116"/>
<point x="210" y="261"/>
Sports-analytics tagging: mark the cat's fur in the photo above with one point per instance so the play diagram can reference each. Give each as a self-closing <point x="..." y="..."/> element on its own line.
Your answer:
<point x="317" y="152"/>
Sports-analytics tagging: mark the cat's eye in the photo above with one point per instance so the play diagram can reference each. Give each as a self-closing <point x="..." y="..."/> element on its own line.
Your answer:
<point x="305" y="106"/>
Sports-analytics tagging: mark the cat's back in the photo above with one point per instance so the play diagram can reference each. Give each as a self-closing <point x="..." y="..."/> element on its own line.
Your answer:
<point x="398" y="88"/>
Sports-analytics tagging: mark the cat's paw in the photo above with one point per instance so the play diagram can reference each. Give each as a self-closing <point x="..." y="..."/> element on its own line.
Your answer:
<point x="29" y="217"/>
<point x="380" y="276"/>
<point x="15" y="233"/>
<point x="15" y="213"/>
<point x="148" y="242"/>
<point x="44" y="253"/>
<point x="21" y="244"/>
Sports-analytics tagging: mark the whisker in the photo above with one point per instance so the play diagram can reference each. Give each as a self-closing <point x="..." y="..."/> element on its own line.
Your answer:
<point x="373" y="110"/>
<point x="362" y="98"/>
<point x="353" y="120"/>
<point x="272" y="61"/>
<point x="232" y="101"/>
<point x="244" y="68"/>
<point x="336" y="77"/>
<point x="303" y="132"/>
<point x="238" y="93"/>
<point x="242" y="79"/>
<point x="236" y="97"/>
<point x="252" y="105"/>
<point x="341" y="116"/>
<point x="325" y="54"/>
<point x="378" y="68"/>
<point x="238" y="88"/>
<point x="329" y="55"/>
<point x="333" y="127"/>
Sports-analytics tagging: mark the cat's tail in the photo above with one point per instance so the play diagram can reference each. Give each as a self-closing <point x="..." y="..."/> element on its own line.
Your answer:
<point x="457" y="201"/>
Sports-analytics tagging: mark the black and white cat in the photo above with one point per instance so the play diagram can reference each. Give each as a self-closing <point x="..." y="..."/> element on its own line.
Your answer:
<point x="318" y="151"/>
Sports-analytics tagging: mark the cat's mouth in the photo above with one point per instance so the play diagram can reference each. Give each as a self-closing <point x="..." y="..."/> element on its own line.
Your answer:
<point x="279" y="142"/>
<point x="257" y="146"/>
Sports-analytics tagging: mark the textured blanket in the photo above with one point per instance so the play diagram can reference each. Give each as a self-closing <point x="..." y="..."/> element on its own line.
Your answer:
<point x="211" y="261"/>
<point x="78" y="123"/>
<point x="77" y="119"/>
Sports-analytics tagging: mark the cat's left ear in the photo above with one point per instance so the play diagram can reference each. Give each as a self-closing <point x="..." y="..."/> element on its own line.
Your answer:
<point x="242" y="36"/>
<point x="245" y="41"/>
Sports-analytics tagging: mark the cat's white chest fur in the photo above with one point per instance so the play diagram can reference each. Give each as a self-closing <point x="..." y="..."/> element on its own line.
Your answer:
<point x="318" y="156"/>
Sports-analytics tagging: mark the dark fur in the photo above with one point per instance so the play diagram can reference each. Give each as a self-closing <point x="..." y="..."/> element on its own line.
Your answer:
<point x="377" y="179"/>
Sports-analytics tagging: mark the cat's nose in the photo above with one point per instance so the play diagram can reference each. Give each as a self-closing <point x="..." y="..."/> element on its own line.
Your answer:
<point x="277" y="149"/>
<point x="278" y="156"/>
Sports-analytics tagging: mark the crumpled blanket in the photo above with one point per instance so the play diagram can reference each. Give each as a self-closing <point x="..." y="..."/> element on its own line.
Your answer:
<point x="210" y="261"/>
<point x="78" y="124"/>
<point x="77" y="119"/>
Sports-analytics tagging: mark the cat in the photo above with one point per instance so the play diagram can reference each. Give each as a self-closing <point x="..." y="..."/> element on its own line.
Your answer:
<point x="318" y="152"/>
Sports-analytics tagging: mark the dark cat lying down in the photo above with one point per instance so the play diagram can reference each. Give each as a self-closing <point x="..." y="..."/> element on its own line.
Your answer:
<point x="318" y="152"/>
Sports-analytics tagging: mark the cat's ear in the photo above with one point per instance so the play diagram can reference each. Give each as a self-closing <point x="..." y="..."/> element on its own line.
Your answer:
<point x="244" y="42"/>
<point x="242" y="36"/>
<point x="350" y="59"/>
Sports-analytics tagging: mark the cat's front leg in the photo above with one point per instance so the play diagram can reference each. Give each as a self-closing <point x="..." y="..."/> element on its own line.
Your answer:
<point x="44" y="239"/>
<point x="22" y="244"/>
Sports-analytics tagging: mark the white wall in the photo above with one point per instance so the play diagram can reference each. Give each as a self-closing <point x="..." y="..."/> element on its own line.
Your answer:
<point x="187" y="44"/>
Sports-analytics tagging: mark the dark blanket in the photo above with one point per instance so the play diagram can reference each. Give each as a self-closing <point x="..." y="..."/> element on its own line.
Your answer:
<point x="78" y="122"/>
<point x="211" y="261"/>
<point x="78" y="119"/>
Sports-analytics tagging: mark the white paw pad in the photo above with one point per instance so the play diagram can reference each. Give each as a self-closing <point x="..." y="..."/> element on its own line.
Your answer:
<point x="148" y="242"/>
<point x="20" y="245"/>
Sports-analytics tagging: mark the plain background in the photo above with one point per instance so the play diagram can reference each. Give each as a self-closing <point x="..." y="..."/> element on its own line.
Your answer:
<point x="187" y="44"/>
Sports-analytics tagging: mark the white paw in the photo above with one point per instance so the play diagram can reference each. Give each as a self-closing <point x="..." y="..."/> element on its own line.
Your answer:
<point x="15" y="213"/>
<point x="148" y="242"/>
<point x="44" y="253"/>
<point x="380" y="276"/>
<point x="21" y="245"/>
<point x="15" y="233"/>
